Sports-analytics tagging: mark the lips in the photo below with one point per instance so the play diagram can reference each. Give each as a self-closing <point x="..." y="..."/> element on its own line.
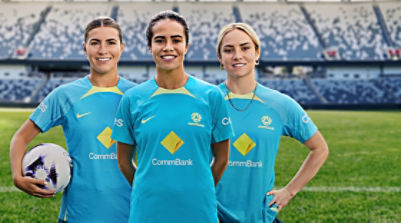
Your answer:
<point x="168" y="57"/>
<point x="239" y="64"/>
<point x="103" y="59"/>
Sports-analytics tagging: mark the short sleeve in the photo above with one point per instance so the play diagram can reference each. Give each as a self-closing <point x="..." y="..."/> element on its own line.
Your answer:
<point x="123" y="127"/>
<point x="222" y="129"/>
<point x="50" y="112"/>
<point x="298" y="124"/>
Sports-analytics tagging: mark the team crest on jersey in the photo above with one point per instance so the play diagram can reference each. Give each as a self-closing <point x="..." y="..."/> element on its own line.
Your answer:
<point x="266" y="123"/>
<point x="196" y="120"/>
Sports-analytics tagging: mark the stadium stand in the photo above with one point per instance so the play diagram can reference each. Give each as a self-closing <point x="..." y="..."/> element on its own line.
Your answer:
<point x="205" y="21"/>
<point x="18" y="90"/>
<point x="61" y="34"/>
<point x="50" y="85"/>
<point x="290" y="34"/>
<point x="353" y="91"/>
<point x="284" y="32"/>
<point x="137" y="74"/>
<point x="295" y="88"/>
<point x="351" y="28"/>
<point x="16" y="25"/>
<point x="392" y="16"/>
<point x="133" y="19"/>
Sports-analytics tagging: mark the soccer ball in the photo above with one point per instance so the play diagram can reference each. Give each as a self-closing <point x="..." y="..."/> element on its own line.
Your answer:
<point x="48" y="162"/>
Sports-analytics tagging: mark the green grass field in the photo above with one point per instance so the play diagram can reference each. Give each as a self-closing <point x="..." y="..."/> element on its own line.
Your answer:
<point x="360" y="181"/>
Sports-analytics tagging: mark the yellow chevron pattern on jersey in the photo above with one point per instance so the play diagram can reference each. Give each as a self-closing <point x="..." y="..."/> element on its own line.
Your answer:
<point x="172" y="142"/>
<point x="244" y="144"/>
<point x="95" y="89"/>
<point x="181" y="90"/>
<point x="105" y="137"/>
<point x="244" y="96"/>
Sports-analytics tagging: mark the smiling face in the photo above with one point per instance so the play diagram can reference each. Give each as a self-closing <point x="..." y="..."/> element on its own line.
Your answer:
<point x="238" y="54"/>
<point x="168" y="45"/>
<point x="103" y="49"/>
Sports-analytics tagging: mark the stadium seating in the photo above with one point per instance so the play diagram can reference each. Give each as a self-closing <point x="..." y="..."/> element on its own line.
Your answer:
<point x="50" y="85"/>
<point x="53" y="31"/>
<point x="133" y="19"/>
<point x="18" y="90"/>
<point x="61" y="34"/>
<point x="295" y="88"/>
<point x="351" y="28"/>
<point x="16" y="25"/>
<point x="353" y="91"/>
<point x="392" y="15"/>
<point x="283" y="30"/>
<point x="205" y="21"/>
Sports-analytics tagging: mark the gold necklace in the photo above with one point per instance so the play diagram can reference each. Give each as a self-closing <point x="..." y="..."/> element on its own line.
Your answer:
<point x="246" y="107"/>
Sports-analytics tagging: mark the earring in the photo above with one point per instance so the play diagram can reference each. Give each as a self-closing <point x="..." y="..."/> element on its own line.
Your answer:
<point x="257" y="62"/>
<point x="221" y="66"/>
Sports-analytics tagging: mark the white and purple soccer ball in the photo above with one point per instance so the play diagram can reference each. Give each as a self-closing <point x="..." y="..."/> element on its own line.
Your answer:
<point x="48" y="162"/>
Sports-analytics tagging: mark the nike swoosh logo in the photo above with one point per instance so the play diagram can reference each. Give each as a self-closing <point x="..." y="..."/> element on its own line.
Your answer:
<point x="82" y="115"/>
<point x="143" y="121"/>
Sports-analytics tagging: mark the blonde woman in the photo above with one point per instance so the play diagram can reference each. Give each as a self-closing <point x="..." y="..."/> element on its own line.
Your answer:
<point x="260" y="116"/>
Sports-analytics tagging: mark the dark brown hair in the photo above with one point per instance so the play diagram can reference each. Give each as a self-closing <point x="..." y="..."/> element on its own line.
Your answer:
<point x="166" y="15"/>
<point x="103" y="22"/>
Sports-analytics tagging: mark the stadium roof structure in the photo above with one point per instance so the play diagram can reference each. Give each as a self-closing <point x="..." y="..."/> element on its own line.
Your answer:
<point x="282" y="1"/>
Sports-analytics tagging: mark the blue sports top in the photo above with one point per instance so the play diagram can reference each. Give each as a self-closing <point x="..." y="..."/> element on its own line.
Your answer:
<point x="173" y="131"/>
<point x="98" y="192"/>
<point x="253" y="150"/>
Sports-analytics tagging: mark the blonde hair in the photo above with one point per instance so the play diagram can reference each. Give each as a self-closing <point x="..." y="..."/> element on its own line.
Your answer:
<point x="240" y="26"/>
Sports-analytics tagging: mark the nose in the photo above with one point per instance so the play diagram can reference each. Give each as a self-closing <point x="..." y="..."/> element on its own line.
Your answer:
<point x="102" y="49"/>
<point x="237" y="54"/>
<point x="168" y="46"/>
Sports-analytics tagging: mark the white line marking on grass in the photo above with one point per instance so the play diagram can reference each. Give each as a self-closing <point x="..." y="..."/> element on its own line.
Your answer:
<point x="352" y="189"/>
<point x="16" y="109"/>
<point x="6" y="189"/>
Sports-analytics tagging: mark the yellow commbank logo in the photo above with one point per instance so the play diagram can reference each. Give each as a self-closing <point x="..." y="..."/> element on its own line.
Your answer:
<point x="105" y="137"/>
<point x="244" y="144"/>
<point x="172" y="142"/>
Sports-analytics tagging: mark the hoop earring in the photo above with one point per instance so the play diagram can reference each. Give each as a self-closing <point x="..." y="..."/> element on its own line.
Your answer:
<point x="257" y="62"/>
<point x="221" y="66"/>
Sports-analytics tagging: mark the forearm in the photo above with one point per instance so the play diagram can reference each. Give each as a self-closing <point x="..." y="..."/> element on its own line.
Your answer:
<point x="124" y="157"/>
<point x="18" y="146"/>
<point x="128" y="170"/>
<point x="317" y="156"/>
<point x="218" y="168"/>
<point x="17" y="151"/>
<point x="307" y="171"/>
<point x="221" y="154"/>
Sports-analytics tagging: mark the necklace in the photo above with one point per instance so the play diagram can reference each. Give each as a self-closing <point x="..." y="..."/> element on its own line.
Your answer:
<point x="247" y="106"/>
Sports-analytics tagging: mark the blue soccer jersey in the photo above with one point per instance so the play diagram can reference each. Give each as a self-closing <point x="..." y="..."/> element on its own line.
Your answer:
<point x="253" y="150"/>
<point x="173" y="131"/>
<point x="98" y="192"/>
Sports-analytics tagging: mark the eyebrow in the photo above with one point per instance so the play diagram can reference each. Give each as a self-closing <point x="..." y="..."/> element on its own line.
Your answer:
<point x="173" y="36"/>
<point x="111" y="39"/>
<point x="242" y="44"/>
